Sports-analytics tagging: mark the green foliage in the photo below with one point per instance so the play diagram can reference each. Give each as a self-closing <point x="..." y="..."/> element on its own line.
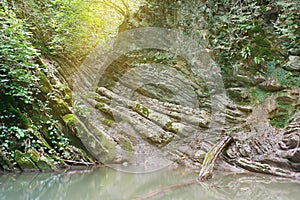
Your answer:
<point x="287" y="26"/>
<point x="260" y="41"/>
<point x="153" y="13"/>
<point x="108" y="122"/>
<point x="234" y="31"/>
<point x="22" y="114"/>
<point x="284" y="77"/>
<point x="68" y="29"/>
<point x="17" y="69"/>
<point x="17" y="83"/>
<point x="284" y="111"/>
<point x="244" y="31"/>
<point x="259" y="95"/>
<point x="63" y="31"/>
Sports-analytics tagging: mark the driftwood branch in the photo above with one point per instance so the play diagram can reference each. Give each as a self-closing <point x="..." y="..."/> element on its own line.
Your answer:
<point x="166" y="189"/>
<point x="211" y="157"/>
<point x="79" y="162"/>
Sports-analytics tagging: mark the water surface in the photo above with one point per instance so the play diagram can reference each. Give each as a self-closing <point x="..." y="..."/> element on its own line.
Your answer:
<point x="108" y="184"/>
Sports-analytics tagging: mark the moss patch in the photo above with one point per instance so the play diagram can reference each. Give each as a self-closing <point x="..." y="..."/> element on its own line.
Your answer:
<point x="125" y="144"/>
<point x="45" y="85"/>
<point x="239" y="96"/>
<point x="108" y="122"/>
<point x="24" y="161"/>
<point x="69" y="119"/>
<point x="285" y="78"/>
<point x="284" y="111"/>
<point x="281" y="119"/>
<point x="43" y="162"/>
<point x="109" y="147"/>
<point x="259" y="96"/>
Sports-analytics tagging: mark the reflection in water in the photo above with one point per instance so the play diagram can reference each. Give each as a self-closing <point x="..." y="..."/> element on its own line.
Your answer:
<point x="105" y="183"/>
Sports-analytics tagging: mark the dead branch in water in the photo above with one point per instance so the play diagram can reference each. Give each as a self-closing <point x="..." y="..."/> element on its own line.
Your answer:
<point x="166" y="189"/>
<point x="79" y="162"/>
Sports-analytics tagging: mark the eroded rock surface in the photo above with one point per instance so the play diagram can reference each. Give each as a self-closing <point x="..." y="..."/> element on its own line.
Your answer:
<point x="150" y="108"/>
<point x="274" y="152"/>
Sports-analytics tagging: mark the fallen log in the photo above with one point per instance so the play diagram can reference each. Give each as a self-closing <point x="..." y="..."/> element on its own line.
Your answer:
<point x="211" y="157"/>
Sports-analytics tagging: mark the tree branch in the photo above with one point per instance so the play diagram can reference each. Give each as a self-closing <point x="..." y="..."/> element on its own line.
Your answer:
<point x="118" y="8"/>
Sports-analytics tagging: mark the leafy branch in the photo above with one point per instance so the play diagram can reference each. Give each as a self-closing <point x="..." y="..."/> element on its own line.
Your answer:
<point x="121" y="10"/>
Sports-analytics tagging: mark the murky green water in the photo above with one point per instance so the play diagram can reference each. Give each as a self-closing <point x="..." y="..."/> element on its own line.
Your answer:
<point x="108" y="184"/>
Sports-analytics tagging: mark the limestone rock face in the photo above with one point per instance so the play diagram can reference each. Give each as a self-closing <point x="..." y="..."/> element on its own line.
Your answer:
<point x="150" y="107"/>
<point x="149" y="114"/>
<point x="274" y="152"/>
<point x="270" y="85"/>
<point x="293" y="63"/>
<point x="294" y="51"/>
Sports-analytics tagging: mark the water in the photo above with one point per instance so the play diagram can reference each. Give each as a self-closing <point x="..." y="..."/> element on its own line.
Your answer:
<point x="108" y="184"/>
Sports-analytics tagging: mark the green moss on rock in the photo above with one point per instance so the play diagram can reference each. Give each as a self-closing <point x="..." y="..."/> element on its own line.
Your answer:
<point x="45" y="85"/>
<point x="60" y="107"/>
<point x="43" y="162"/>
<point x="24" y="161"/>
<point x="285" y="109"/>
<point x="259" y="95"/>
<point x="69" y="119"/>
<point x="97" y="143"/>
<point x="108" y="122"/>
<point x="125" y="144"/>
<point x="41" y="139"/>
<point x="109" y="148"/>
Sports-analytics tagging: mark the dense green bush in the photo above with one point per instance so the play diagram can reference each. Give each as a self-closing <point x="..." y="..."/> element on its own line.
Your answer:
<point x="250" y="32"/>
<point x="17" y="54"/>
<point x="33" y="109"/>
<point x="19" y="92"/>
<point x="68" y="29"/>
